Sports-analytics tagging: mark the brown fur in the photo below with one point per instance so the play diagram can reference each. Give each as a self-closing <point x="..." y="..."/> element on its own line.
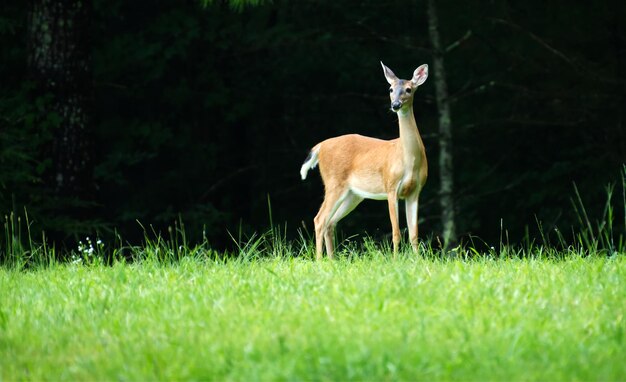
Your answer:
<point x="354" y="167"/>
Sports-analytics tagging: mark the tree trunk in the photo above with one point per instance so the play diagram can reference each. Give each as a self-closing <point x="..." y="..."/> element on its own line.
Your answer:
<point x="446" y="174"/>
<point x="59" y="65"/>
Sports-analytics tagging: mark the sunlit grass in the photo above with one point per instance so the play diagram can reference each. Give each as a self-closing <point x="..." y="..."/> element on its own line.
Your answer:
<point x="370" y="317"/>
<point x="548" y="309"/>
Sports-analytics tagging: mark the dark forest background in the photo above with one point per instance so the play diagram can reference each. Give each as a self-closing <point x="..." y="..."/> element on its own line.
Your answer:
<point x="179" y="110"/>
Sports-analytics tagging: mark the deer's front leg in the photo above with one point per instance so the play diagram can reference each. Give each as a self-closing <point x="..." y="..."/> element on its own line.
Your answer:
<point x="411" y="206"/>
<point x="392" y="199"/>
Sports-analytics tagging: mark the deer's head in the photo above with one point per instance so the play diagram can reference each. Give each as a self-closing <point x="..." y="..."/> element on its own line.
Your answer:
<point x="401" y="91"/>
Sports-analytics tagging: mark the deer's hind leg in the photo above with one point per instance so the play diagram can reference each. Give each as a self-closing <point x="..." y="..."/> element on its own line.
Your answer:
<point x="331" y="199"/>
<point x="344" y="206"/>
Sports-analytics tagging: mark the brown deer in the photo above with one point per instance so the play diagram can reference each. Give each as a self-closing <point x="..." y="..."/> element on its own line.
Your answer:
<point x="354" y="167"/>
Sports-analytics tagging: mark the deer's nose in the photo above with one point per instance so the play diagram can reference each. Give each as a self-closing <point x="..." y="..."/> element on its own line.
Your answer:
<point x="396" y="105"/>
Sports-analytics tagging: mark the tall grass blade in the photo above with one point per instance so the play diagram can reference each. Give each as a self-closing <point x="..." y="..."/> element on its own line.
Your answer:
<point x="588" y="231"/>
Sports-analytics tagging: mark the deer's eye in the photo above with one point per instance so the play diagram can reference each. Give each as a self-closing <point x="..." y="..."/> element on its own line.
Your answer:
<point x="408" y="90"/>
<point x="390" y="90"/>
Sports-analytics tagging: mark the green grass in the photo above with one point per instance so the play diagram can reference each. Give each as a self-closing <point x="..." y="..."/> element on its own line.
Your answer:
<point x="367" y="317"/>
<point x="548" y="309"/>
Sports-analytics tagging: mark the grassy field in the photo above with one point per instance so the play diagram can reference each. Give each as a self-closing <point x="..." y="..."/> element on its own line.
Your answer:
<point x="362" y="318"/>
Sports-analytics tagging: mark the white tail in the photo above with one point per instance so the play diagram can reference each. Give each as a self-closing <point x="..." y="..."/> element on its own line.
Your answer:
<point x="354" y="167"/>
<point x="310" y="162"/>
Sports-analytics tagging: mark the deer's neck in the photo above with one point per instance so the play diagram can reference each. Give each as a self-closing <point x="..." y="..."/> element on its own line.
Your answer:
<point x="410" y="140"/>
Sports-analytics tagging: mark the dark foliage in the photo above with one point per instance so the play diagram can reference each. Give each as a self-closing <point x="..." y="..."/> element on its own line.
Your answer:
<point x="203" y="113"/>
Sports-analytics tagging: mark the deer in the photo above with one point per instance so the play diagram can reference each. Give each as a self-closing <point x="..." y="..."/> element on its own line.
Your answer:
<point x="355" y="167"/>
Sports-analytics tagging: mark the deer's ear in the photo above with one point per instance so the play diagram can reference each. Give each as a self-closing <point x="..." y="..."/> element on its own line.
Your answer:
<point x="391" y="78"/>
<point x="420" y="75"/>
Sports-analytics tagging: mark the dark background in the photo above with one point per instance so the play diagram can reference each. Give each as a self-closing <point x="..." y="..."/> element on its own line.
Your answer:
<point x="203" y="113"/>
